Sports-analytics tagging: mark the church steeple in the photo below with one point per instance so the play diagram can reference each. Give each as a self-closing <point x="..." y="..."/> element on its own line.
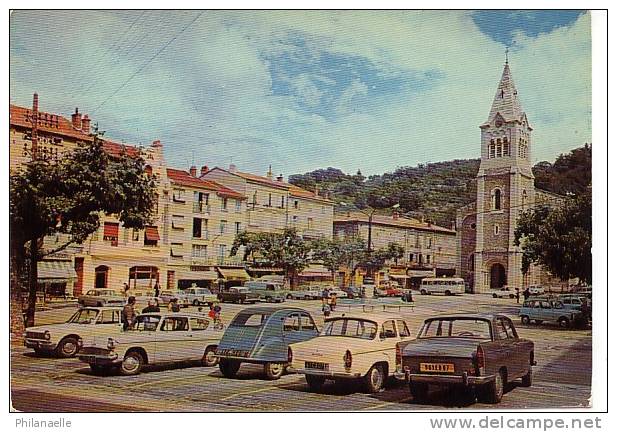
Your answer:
<point x="506" y="101"/>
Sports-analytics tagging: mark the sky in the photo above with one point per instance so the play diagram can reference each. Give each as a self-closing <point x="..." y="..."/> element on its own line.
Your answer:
<point x="301" y="90"/>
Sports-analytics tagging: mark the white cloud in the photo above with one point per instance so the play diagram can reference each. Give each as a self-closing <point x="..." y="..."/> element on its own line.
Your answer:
<point x="209" y="96"/>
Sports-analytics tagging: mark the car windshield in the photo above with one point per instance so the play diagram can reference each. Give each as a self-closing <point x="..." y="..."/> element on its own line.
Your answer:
<point x="350" y="327"/>
<point x="147" y="323"/>
<point x="456" y="328"/>
<point x="84" y="316"/>
<point x="249" y="320"/>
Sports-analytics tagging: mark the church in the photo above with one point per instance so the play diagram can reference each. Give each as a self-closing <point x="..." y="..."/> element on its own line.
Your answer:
<point x="487" y="256"/>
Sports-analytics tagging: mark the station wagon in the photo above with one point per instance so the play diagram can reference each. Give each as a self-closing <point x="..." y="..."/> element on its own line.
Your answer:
<point x="268" y="291"/>
<point x="262" y="335"/>
<point x="540" y="310"/>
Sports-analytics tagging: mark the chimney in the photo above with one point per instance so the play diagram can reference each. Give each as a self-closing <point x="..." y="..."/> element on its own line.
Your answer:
<point x="35" y="102"/>
<point x="85" y="124"/>
<point x="76" y="119"/>
<point x="203" y="171"/>
<point x="269" y="173"/>
<point x="232" y="168"/>
<point x="193" y="171"/>
<point x="157" y="143"/>
<point x="280" y="178"/>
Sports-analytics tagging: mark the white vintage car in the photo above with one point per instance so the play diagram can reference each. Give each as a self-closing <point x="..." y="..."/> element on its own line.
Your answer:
<point x="61" y="339"/>
<point x="158" y="337"/>
<point x="101" y="297"/>
<point x="351" y="346"/>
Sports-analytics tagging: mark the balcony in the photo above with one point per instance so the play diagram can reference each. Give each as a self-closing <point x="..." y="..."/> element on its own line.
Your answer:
<point x="201" y="207"/>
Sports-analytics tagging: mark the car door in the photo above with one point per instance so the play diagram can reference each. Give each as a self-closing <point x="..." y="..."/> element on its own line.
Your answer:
<point x="308" y="328"/>
<point x="516" y="352"/>
<point x="174" y="340"/>
<point x="202" y="335"/>
<point x="388" y="337"/>
<point x="291" y="328"/>
<point x="403" y="330"/>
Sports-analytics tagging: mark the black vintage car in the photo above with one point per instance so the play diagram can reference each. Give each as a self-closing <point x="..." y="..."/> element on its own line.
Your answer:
<point x="480" y="351"/>
<point x="238" y="295"/>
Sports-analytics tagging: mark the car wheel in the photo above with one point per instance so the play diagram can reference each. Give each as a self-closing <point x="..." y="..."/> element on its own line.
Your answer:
<point x="528" y="379"/>
<point x="448" y="293"/>
<point x="564" y="322"/>
<point x="423" y="292"/>
<point x="229" y="368"/>
<point x="289" y="297"/>
<point x="196" y="302"/>
<point x="494" y="295"/>
<point x="315" y="383"/>
<point x="419" y="391"/>
<point x="307" y="297"/>
<point x="374" y="380"/>
<point x="511" y="296"/>
<point x="99" y="304"/>
<point x="132" y="363"/>
<point x="209" y="359"/>
<point x="274" y="371"/>
<point x="268" y="299"/>
<point x="495" y="388"/>
<point x="525" y="319"/>
<point x="67" y="347"/>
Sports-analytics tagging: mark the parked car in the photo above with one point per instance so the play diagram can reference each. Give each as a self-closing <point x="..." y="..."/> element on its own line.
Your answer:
<point x="480" y="351"/>
<point x="504" y="292"/>
<point x="101" y="297"/>
<point x="536" y="290"/>
<point x="540" y="310"/>
<point x="238" y="295"/>
<point x="61" y="339"/>
<point x="389" y="292"/>
<point x="574" y="301"/>
<point x="156" y="338"/>
<point x="166" y="296"/>
<point x="352" y="346"/>
<point x="352" y="292"/>
<point x="268" y="291"/>
<point x="199" y="296"/>
<point x="335" y="290"/>
<point x="262" y="335"/>
<point x="305" y="294"/>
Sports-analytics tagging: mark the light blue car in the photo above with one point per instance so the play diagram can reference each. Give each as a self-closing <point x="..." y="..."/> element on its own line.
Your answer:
<point x="540" y="310"/>
<point x="262" y="335"/>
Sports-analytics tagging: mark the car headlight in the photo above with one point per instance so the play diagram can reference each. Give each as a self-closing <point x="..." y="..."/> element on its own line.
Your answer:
<point x="47" y="335"/>
<point x="111" y="343"/>
<point x="80" y="342"/>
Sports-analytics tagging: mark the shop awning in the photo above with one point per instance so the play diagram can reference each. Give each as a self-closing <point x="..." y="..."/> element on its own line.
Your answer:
<point x="110" y="230"/>
<point x="315" y="271"/>
<point x="56" y="271"/>
<point x="266" y="269"/>
<point x="398" y="276"/>
<point x="152" y="233"/>
<point x="235" y="274"/>
<point x="197" y="275"/>
<point x="421" y="273"/>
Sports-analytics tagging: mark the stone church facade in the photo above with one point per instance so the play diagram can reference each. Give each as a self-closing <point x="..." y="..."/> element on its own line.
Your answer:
<point x="488" y="258"/>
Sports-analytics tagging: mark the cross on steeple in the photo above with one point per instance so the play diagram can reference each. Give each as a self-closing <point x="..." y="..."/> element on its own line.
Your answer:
<point x="507" y="49"/>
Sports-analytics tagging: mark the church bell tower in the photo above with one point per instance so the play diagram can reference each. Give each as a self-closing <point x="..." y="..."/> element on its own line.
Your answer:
<point x="505" y="187"/>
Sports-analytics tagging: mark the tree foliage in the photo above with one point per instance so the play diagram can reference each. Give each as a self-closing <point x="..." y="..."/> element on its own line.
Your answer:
<point x="570" y="174"/>
<point x="558" y="238"/>
<point x="68" y="197"/>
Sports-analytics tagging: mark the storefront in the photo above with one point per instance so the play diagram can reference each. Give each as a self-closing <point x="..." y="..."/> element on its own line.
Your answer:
<point x="232" y="277"/>
<point x="55" y="279"/>
<point x="195" y="277"/>
<point x="315" y="274"/>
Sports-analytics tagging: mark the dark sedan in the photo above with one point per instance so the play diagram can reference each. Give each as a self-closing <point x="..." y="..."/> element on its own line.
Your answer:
<point x="238" y="295"/>
<point x="480" y="351"/>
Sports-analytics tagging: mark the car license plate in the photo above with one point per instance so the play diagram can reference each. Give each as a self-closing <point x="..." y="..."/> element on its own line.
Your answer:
<point x="437" y="367"/>
<point x="316" y="365"/>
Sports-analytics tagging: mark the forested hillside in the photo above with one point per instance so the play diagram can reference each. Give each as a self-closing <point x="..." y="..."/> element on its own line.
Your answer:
<point x="436" y="190"/>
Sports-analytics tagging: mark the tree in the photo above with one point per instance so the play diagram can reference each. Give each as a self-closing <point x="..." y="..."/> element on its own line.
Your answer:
<point x="67" y="197"/>
<point x="336" y="253"/>
<point x="287" y="250"/>
<point x="559" y="238"/>
<point x="373" y="261"/>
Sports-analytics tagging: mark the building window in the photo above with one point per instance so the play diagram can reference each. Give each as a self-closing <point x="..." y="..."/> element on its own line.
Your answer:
<point x="238" y="206"/>
<point x="222" y="227"/>
<point x="524" y="197"/>
<point x="254" y="199"/>
<point x="177" y="222"/>
<point x="238" y="227"/>
<point x="429" y="242"/>
<point x="296" y="204"/>
<point x="294" y="219"/>
<point x="222" y="252"/>
<point x="283" y="201"/>
<point x="269" y="200"/>
<point x="309" y="223"/>
<point x="199" y="251"/>
<point x="496" y="204"/>
<point x="411" y="257"/>
<point x="101" y="276"/>
<point x="175" y="250"/>
<point x="470" y="263"/>
<point x="224" y="204"/>
<point x="110" y="232"/>
<point x="135" y="235"/>
<point x="428" y="259"/>
<point x="498" y="147"/>
<point x="197" y="227"/>
<point x="496" y="229"/>
<point x="178" y="195"/>
<point x="492" y="150"/>
<point x="151" y="236"/>
<point x="200" y="202"/>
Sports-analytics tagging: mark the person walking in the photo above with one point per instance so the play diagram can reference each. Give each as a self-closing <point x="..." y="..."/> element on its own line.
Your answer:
<point x="325" y="308"/>
<point x="333" y="302"/>
<point x="173" y="305"/>
<point x="157" y="289"/>
<point x="128" y="314"/>
<point x="526" y="294"/>
<point x="518" y="296"/>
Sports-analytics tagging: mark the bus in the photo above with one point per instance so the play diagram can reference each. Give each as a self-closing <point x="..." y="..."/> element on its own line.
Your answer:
<point x="443" y="285"/>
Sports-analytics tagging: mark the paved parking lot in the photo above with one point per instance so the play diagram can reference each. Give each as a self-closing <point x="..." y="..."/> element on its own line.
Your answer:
<point x="562" y="377"/>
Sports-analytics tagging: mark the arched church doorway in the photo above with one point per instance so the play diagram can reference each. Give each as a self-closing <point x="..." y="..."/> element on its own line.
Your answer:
<point x="498" y="276"/>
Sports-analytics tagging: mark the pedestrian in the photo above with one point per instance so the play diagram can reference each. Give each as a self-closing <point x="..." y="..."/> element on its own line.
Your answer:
<point x="526" y="293"/>
<point x="518" y="295"/>
<point x="152" y="307"/>
<point x="128" y="314"/>
<point x="211" y="312"/>
<point x="218" y="323"/>
<point x="333" y="302"/>
<point x="157" y="289"/>
<point x="325" y="308"/>
<point x="126" y="290"/>
<point x="173" y="305"/>
<point x="325" y="295"/>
